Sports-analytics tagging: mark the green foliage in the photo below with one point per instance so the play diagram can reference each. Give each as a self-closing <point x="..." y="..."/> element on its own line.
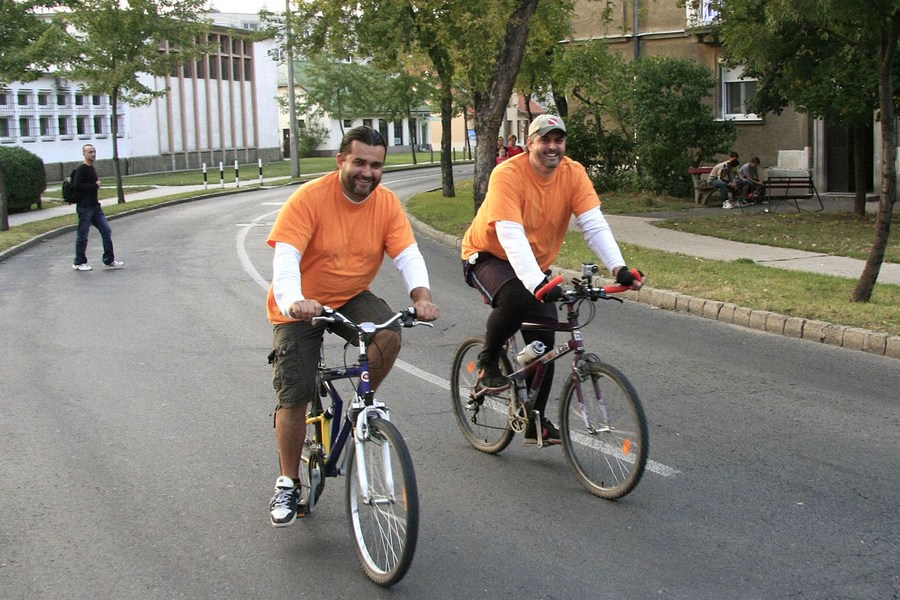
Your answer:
<point x="311" y="136"/>
<point x="802" y="57"/>
<point x="675" y="128"/>
<point x="113" y="43"/>
<point x="29" y="42"/>
<point x="23" y="175"/>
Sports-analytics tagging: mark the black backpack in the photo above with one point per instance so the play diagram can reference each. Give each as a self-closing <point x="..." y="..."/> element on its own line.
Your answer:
<point x="68" y="189"/>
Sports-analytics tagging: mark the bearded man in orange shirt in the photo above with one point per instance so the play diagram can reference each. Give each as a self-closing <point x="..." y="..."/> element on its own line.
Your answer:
<point x="331" y="236"/>
<point x="515" y="238"/>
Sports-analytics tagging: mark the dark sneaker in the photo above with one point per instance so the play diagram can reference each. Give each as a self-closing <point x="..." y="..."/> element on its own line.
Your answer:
<point x="490" y="375"/>
<point x="549" y="432"/>
<point x="283" y="507"/>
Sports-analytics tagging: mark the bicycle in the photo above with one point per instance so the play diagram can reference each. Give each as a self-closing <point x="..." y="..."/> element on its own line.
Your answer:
<point x="381" y="494"/>
<point x="603" y="428"/>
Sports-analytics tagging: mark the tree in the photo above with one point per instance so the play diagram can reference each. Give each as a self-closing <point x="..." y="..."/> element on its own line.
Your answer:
<point x="834" y="58"/>
<point x="341" y="89"/>
<point x="476" y="42"/>
<point x="112" y="44"/>
<point x="406" y="93"/>
<point x="674" y="127"/>
<point x="29" y="44"/>
<point x="29" y="40"/>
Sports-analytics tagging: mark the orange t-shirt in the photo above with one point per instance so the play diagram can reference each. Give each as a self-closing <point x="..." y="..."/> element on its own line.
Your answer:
<point x="342" y="244"/>
<point x="543" y="206"/>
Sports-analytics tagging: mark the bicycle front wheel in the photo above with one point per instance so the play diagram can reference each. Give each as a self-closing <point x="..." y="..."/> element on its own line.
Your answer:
<point x="484" y="422"/>
<point x="605" y="436"/>
<point x="384" y="518"/>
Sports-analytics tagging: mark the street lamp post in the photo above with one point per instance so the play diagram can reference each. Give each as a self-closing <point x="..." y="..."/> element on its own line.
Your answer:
<point x="292" y="96"/>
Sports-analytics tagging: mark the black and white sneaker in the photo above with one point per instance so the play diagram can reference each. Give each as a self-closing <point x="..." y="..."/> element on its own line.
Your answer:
<point x="549" y="433"/>
<point x="283" y="507"/>
<point x="489" y="374"/>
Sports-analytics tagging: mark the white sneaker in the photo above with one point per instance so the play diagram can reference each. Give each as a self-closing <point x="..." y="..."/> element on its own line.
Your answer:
<point x="728" y="204"/>
<point x="116" y="264"/>
<point x="82" y="267"/>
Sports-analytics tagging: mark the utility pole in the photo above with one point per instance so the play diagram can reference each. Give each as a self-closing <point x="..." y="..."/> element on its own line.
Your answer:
<point x="292" y="97"/>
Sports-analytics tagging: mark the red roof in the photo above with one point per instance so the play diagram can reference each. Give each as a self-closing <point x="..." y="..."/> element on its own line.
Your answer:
<point x="536" y="109"/>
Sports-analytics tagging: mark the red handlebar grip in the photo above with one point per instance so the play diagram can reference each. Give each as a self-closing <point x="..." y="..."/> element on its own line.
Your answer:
<point x="553" y="282"/>
<point x="616" y="289"/>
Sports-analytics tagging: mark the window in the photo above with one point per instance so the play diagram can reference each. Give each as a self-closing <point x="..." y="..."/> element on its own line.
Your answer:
<point x="97" y="100"/>
<point x="25" y="127"/>
<point x="213" y="68"/>
<point x="367" y="122"/>
<point x="63" y="124"/>
<point x="200" y="68"/>
<point x="98" y="126"/>
<point x="224" y="72"/>
<point x="81" y="126"/>
<point x="236" y="68"/>
<point x="248" y="70"/>
<point x="44" y="99"/>
<point x="44" y="126"/>
<point x="62" y="99"/>
<point x="737" y="92"/>
<point x="4" y="128"/>
<point x="5" y="99"/>
<point x="700" y="12"/>
<point x="348" y="123"/>
<point x="24" y="98"/>
<point x="79" y="99"/>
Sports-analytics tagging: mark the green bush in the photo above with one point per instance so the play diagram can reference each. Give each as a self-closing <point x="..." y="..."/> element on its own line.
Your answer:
<point x="675" y="126"/>
<point x="23" y="176"/>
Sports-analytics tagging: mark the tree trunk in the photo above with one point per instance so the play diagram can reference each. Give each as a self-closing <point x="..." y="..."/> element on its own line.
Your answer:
<point x="4" y="213"/>
<point x="489" y="107"/>
<point x="447" y="186"/>
<point x="887" y="51"/>
<point x="114" y="127"/>
<point x="860" y="177"/>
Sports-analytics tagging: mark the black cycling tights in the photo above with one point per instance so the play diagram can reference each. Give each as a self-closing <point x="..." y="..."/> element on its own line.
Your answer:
<point x="512" y="305"/>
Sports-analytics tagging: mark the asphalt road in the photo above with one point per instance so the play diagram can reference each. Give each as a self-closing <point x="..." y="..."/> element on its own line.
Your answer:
<point x="137" y="455"/>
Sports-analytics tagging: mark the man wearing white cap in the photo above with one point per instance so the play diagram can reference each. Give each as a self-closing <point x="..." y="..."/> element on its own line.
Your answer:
<point x="515" y="238"/>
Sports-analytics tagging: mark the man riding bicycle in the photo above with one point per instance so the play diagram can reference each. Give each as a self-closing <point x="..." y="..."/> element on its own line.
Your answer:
<point x="335" y="231"/>
<point x="515" y="238"/>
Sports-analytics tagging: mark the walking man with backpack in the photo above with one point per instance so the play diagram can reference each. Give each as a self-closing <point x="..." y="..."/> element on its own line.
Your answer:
<point x="86" y="184"/>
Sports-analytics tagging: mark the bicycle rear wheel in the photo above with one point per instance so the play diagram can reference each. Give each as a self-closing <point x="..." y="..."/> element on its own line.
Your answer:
<point x="485" y="421"/>
<point x="605" y="438"/>
<point x="384" y="519"/>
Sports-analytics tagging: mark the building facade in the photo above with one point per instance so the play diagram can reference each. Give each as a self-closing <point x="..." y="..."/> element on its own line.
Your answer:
<point x="221" y="108"/>
<point x="640" y="28"/>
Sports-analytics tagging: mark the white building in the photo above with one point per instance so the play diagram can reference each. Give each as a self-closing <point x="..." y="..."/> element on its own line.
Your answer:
<point x="221" y="108"/>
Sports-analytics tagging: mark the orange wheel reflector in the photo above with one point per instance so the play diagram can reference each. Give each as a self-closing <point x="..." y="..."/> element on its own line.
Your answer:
<point x="626" y="446"/>
<point x="470" y="367"/>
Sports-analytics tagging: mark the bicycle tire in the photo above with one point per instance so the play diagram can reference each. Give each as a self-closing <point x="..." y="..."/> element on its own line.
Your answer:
<point x="386" y="528"/>
<point x="483" y="422"/>
<point x="608" y="453"/>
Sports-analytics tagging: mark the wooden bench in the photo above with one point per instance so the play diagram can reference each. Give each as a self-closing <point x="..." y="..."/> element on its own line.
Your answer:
<point x="791" y="188"/>
<point x="703" y="192"/>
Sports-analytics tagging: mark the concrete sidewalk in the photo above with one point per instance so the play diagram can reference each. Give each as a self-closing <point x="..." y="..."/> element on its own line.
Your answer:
<point x="640" y="231"/>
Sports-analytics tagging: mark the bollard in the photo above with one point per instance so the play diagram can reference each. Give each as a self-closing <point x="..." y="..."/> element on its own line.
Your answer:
<point x="222" y="174"/>
<point x="205" y="178"/>
<point x="237" y="175"/>
<point x="260" y="172"/>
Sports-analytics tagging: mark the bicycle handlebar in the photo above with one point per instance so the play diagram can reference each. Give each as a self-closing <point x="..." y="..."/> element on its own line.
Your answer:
<point x="406" y="316"/>
<point x="609" y="289"/>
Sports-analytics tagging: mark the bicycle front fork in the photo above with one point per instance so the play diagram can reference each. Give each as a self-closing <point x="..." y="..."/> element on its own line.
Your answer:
<point x="361" y="434"/>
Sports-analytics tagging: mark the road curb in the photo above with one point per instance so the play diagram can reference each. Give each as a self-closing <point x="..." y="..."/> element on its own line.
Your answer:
<point x="851" y="338"/>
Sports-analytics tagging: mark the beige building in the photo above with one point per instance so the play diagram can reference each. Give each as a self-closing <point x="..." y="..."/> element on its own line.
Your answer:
<point x="640" y="28"/>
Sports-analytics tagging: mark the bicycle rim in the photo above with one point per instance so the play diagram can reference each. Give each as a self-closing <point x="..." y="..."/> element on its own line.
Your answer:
<point x="605" y="439"/>
<point x="483" y="422"/>
<point x="386" y="527"/>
